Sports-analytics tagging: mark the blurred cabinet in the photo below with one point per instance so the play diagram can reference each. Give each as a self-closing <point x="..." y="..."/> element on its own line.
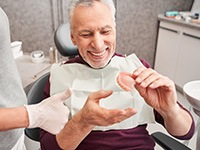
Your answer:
<point x="167" y="49"/>
<point x="189" y="57"/>
<point x="178" y="52"/>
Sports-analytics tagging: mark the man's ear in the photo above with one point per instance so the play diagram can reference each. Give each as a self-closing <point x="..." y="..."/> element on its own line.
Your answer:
<point x="72" y="38"/>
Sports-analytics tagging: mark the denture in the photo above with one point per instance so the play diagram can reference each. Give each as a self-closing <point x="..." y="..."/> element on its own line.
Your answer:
<point x="125" y="81"/>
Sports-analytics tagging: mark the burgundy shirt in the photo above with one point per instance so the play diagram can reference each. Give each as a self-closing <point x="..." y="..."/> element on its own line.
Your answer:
<point x="136" y="138"/>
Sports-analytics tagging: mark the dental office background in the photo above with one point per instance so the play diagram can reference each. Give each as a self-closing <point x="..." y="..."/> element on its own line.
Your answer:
<point x="34" y="22"/>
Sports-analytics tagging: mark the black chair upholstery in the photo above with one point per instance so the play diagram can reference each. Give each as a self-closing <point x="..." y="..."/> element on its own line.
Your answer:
<point x="63" y="41"/>
<point x="167" y="142"/>
<point x="35" y="90"/>
<point x="35" y="94"/>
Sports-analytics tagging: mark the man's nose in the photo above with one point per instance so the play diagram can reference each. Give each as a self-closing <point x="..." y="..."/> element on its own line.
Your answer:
<point x="97" y="41"/>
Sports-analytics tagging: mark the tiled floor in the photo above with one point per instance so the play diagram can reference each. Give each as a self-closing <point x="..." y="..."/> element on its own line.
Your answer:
<point x="156" y="127"/>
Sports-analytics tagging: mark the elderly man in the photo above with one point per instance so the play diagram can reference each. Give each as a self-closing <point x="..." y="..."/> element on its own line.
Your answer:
<point x="102" y="115"/>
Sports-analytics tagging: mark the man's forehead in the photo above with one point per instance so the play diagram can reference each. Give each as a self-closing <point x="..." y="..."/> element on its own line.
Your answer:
<point x="86" y="30"/>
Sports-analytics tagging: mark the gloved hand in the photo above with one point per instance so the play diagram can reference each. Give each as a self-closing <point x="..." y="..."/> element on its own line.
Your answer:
<point x="51" y="114"/>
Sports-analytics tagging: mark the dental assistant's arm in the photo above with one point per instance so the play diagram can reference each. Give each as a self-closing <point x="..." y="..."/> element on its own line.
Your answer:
<point x="87" y="118"/>
<point x="11" y="118"/>
<point x="160" y="93"/>
<point x="50" y="114"/>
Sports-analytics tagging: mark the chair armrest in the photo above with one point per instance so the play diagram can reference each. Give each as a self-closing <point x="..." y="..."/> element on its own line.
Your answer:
<point x="167" y="142"/>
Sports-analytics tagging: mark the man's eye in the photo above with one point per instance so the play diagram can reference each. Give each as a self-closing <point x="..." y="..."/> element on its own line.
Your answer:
<point x="85" y="34"/>
<point x="106" y="32"/>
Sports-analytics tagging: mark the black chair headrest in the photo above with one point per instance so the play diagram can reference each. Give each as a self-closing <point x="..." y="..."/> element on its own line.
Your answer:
<point x="63" y="41"/>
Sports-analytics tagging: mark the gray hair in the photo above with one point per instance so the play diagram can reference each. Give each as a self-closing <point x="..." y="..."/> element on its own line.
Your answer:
<point x="74" y="3"/>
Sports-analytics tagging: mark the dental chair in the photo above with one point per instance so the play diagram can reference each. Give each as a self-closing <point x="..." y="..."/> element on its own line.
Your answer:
<point x="67" y="49"/>
<point x="35" y="91"/>
<point x="167" y="142"/>
<point x="63" y="41"/>
<point x="35" y="94"/>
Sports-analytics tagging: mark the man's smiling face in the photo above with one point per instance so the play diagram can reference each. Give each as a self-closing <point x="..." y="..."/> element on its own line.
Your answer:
<point x="94" y="33"/>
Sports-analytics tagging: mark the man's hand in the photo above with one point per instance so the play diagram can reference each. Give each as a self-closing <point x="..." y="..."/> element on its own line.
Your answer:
<point x="160" y="93"/>
<point x="95" y="115"/>
<point x="51" y="114"/>
<point x="157" y="90"/>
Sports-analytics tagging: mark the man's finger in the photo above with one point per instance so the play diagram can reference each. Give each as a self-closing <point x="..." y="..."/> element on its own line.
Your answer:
<point x="100" y="94"/>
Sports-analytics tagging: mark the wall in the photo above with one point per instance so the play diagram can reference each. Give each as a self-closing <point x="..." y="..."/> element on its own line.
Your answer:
<point x="196" y="6"/>
<point x="34" y="23"/>
<point x="137" y="24"/>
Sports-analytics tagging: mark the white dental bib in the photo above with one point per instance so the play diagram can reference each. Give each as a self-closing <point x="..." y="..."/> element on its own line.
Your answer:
<point x="83" y="80"/>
